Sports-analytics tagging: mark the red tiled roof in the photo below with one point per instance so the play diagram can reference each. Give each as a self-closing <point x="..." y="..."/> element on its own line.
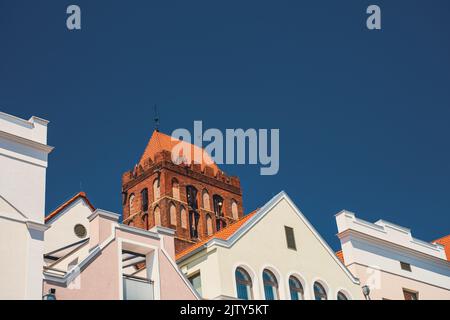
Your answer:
<point x="445" y="241"/>
<point x="340" y="256"/>
<point x="68" y="203"/>
<point x="162" y="142"/>
<point x="223" y="234"/>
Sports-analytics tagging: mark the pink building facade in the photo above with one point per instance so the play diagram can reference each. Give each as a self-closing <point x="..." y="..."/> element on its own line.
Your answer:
<point x="116" y="262"/>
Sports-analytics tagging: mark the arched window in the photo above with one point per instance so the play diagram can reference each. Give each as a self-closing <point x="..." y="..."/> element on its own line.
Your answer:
<point x="296" y="289"/>
<point x="131" y="204"/>
<point x="341" y="296"/>
<point x="156" y="189"/>
<point x="157" y="214"/>
<point x="175" y="189"/>
<point x="184" y="218"/>
<point x="173" y="214"/>
<point x="270" y="285"/>
<point x="234" y="210"/>
<point x="319" y="292"/>
<point x="144" y="199"/>
<point x="206" y="200"/>
<point x="243" y="285"/>
<point x="209" y="225"/>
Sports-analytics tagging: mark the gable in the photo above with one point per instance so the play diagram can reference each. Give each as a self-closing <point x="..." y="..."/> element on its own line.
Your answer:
<point x="62" y="231"/>
<point x="268" y="234"/>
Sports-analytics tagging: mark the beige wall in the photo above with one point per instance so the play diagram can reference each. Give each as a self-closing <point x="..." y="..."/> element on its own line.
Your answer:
<point x="264" y="246"/>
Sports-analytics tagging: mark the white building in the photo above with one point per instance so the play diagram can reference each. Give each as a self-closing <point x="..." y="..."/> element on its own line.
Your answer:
<point x="388" y="259"/>
<point x="23" y="164"/>
<point x="272" y="253"/>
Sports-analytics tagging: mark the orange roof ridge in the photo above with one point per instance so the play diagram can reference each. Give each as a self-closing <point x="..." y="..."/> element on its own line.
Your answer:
<point x="162" y="142"/>
<point x="67" y="203"/>
<point x="224" y="234"/>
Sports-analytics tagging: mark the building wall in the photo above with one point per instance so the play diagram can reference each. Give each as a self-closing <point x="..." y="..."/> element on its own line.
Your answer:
<point x="23" y="163"/>
<point x="390" y="286"/>
<point x="14" y="261"/>
<point x="374" y="252"/>
<point x="264" y="246"/>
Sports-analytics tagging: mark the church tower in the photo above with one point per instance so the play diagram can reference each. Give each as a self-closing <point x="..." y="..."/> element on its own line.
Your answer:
<point x="194" y="199"/>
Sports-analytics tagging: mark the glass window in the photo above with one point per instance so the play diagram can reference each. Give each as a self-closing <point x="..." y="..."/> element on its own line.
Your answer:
<point x="410" y="295"/>
<point x="270" y="285"/>
<point x="341" y="296"/>
<point x="296" y="289"/>
<point x="243" y="285"/>
<point x="196" y="282"/>
<point x="319" y="292"/>
<point x="144" y="197"/>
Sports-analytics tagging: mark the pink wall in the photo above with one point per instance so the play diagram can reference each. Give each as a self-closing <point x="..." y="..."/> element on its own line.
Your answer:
<point x="98" y="281"/>
<point x="390" y="286"/>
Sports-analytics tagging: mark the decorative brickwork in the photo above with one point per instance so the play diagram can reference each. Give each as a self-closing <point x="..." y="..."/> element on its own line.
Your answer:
<point x="167" y="184"/>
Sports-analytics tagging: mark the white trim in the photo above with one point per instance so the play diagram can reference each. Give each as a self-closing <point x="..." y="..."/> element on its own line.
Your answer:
<point x="104" y="214"/>
<point x="27" y="142"/>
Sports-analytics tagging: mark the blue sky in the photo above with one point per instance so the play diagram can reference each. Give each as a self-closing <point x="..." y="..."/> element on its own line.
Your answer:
<point x="363" y="115"/>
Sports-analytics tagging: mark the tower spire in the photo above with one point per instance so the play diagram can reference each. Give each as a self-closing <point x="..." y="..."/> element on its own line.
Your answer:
<point x="156" y="119"/>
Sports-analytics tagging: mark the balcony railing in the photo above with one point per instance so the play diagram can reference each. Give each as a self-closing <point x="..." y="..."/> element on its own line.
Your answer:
<point x="137" y="288"/>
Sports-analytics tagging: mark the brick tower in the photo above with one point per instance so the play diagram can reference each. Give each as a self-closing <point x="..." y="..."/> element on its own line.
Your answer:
<point x="194" y="199"/>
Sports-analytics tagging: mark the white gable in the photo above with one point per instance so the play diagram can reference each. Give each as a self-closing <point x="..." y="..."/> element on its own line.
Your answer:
<point x="61" y="232"/>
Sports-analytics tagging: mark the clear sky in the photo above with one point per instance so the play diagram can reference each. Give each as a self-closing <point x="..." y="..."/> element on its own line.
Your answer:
<point x="363" y="115"/>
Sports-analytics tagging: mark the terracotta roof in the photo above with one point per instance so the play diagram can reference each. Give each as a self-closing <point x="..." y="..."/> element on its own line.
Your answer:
<point x="340" y="256"/>
<point x="445" y="241"/>
<point x="68" y="203"/>
<point x="162" y="142"/>
<point x="223" y="234"/>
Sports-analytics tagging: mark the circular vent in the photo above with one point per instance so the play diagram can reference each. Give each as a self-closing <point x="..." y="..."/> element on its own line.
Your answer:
<point x="80" y="231"/>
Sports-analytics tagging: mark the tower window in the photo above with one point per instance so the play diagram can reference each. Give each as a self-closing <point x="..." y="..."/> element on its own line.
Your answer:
<point x="144" y="197"/>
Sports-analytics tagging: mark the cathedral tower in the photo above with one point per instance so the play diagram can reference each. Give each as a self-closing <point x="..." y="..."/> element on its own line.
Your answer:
<point x="196" y="200"/>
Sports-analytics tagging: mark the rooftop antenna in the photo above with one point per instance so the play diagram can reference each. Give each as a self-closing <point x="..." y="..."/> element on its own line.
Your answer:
<point x="156" y="119"/>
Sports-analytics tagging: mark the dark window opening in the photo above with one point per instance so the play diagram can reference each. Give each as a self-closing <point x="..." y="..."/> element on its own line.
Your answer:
<point x="144" y="197"/>
<point x="290" y="238"/>
<point x="194" y="216"/>
<point x="405" y="266"/>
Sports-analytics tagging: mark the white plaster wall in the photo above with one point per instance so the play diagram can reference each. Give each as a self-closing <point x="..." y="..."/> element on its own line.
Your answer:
<point x="14" y="259"/>
<point x="23" y="163"/>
